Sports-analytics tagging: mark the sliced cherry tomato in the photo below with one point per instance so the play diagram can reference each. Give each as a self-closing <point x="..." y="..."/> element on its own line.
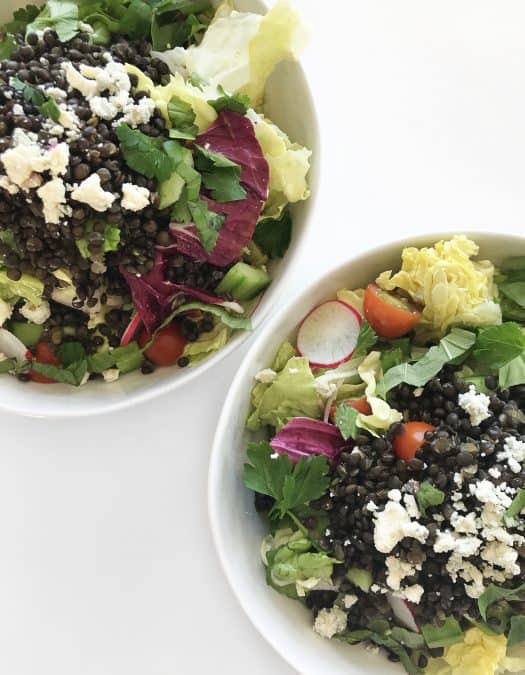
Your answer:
<point x="44" y="354"/>
<point x="360" y="404"/>
<point x="167" y="347"/>
<point x="389" y="316"/>
<point x="411" y="439"/>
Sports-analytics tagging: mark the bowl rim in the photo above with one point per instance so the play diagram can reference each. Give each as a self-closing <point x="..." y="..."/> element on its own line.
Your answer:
<point x="227" y="411"/>
<point x="258" y="317"/>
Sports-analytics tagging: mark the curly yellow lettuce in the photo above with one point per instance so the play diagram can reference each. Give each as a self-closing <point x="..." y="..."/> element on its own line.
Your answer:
<point x="383" y="416"/>
<point x="478" y="654"/>
<point x="452" y="288"/>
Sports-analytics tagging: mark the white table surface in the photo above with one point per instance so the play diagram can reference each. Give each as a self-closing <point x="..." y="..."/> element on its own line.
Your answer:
<point x="106" y="563"/>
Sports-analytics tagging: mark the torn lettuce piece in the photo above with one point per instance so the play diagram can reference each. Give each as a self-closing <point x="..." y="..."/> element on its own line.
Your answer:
<point x="383" y="416"/>
<point x="28" y="287"/>
<point x="292" y="393"/>
<point x="207" y="343"/>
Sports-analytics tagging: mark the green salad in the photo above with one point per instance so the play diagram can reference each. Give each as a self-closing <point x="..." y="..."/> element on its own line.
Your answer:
<point x="388" y="463"/>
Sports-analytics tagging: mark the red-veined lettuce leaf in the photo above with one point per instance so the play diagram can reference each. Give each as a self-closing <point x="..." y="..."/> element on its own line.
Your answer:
<point x="303" y="436"/>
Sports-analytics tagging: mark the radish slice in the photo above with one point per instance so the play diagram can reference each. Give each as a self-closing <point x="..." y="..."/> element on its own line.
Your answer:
<point x="12" y="347"/>
<point x="328" y="334"/>
<point x="132" y="328"/>
<point x="402" y="612"/>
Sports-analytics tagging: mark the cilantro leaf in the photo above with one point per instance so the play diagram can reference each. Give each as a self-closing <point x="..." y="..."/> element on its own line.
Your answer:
<point x="220" y="175"/>
<point x="61" y="15"/>
<point x="208" y="223"/>
<point x="236" y="102"/>
<point x="428" y="496"/>
<point x="175" y="24"/>
<point x="7" y="46"/>
<point x="45" y="104"/>
<point x="454" y="345"/>
<point x="136" y="21"/>
<point x="70" y="352"/>
<point x="498" y="345"/>
<point x="346" y="420"/>
<point x="182" y="117"/>
<point x="366" y="339"/>
<point x="101" y="361"/>
<point x="290" y="486"/>
<point x="21" y="18"/>
<point x="273" y="235"/>
<point x="517" y="631"/>
<point x="450" y="633"/>
<point x="517" y="506"/>
<point x="144" y="154"/>
<point x="72" y="374"/>
<point x="494" y="593"/>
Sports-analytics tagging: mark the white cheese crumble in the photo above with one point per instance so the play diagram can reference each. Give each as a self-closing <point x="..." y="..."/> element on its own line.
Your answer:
<point x="88" y="88"/>
<point x="371" y="506"/>
<point x="38" y="315"/>
<point x="111" y="374"/>
<point x="134" y="198"/>
<point x="103" y="108"/>
<point x="513" y="453"/>
<point x="393" y="524"/>
<point x="18" y="109"/>
<point x="412" y="593"/>
<point x="411" y="506"/>
<point x="349" y="600"/>
<point x="266" y="376"/>
<point x="53" y="196"/>
<point x="397" y="570"/>
<point x="395" y="495"/>
<point x="138" y="113"/>
<point x="329" y="622"/>
<point x="90" y="192"/>
<point x="476" y="405"/>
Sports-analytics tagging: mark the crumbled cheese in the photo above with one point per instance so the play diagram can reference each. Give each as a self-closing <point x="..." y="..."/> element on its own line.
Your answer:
<point x="397" y="570"/>
<point x="58" y="159"/>
<point x="394" y="495"/>
<point x="501" y="555"/>
<point x="274" y="455"/>
<point x="349" y="600"/>
<point x="68" y="118"/>
<point x="325" y="389"/>
<point x="85" y="27"/>
<point x="111" y="374"/>
<point x="138" y="113"/>
<point x="6" y="185"/>
<point x="38" y="315"/>
<point x="475" y="405"/>
<point x="90" y="192"/>
<point x="266" y="376"/>
<point x="329" y="622"/>
<point x="53" y="196"/>
<point x="458" y="479"/>
<point x="57" y="93"/>
<point x="371" y="506"/>
<point x="411" y="593"/>
<point x="468" y="572"/>
<point x="393" y="524"/>
<point x="418" y="391"/>
<point x="76" y="80"/>
<point x="513" y="453"/>
<point x="464" y="524"/>
<point x="411" y="506"/>
<point x="134" y="198"/>
<point x="103" y="108"/>
<point x="18" y="109"/>
<point x="487" y="492"/>
<point x="464" y="546"/>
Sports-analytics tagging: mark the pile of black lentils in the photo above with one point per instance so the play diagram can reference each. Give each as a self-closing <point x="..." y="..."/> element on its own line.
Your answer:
<point x="41" y="248"/>
<point x="372" y="469"/>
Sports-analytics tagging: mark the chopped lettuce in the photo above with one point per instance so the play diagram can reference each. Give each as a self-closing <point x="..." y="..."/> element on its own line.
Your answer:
<point x="293" y="565"/>
<point x="452" y="288"/>
<point x="291" y="394"/>
<point x="207" y="343"/>
<point x="353" y="298"/>
<point x="383" y="416"/>
<point x="289" y="165"/>
<point x="28" y="287"/>
<point x="240" y="49"/>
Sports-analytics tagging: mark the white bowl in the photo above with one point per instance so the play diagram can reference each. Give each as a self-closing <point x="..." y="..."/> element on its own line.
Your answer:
<point x="290" y="105"/>
<point x="238" y="529"/>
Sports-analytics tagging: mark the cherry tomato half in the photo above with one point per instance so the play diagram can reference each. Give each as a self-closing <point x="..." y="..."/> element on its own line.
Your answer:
<point x="167" y="347"/>
<point x="411" y="439"/>
<point x="44" y="354"/>
<point x="389" y="316"/>
<point x="360" y="404"/>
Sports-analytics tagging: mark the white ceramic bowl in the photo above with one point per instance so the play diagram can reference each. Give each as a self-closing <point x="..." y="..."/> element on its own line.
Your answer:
<point x="290" y="105"/>
<point x="238" y="529"/>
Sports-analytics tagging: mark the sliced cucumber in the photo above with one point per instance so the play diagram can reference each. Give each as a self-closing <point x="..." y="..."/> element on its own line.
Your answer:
<point x="27" y="332"/>
<point x="170" y="190"/>
<point x="243" y="281"/>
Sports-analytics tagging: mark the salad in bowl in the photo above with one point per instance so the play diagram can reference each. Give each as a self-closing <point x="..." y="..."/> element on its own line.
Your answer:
<point x="387" y="462"/>
<point x="144" y="194"/>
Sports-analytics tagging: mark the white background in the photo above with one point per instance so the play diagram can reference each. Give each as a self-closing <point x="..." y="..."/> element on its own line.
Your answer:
<point x="106" y="560"/>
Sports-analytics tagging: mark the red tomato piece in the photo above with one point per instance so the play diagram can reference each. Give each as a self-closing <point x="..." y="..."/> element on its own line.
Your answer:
<point x="44" y="354"/>
<point x="411" y="439"/>
<point x="360" y="404"/>
<point x="389" y="316"/>
<point x="167" y="347"/>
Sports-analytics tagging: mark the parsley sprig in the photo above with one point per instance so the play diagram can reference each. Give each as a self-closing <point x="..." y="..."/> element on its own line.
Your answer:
<point x="291" y="486"/>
